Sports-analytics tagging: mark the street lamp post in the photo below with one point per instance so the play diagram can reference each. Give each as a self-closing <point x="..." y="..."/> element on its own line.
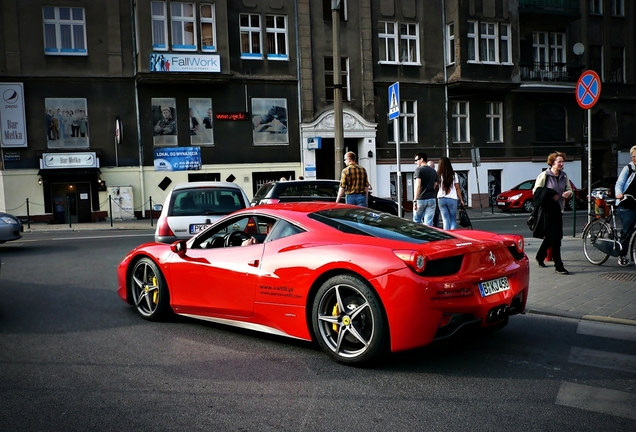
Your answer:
<point x="338" y="132"/>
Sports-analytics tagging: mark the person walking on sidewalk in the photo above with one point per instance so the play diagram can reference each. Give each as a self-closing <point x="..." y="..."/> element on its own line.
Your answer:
<point x="436" y="217"/>
<point x="551" y="189"/>
<point x="449" y="193"/>
<point x="626" y="185"/>
<point x="354" y="182"/>
<point x="425" y="182"/>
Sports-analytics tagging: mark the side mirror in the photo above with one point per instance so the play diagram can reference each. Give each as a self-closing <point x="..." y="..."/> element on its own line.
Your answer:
<point x="179" y="247"/>
<point x="157" y="207"/>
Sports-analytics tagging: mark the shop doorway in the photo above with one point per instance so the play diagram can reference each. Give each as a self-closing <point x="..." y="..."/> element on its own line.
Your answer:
<point x="71" y="202"/>
<point x="325" y="157"/>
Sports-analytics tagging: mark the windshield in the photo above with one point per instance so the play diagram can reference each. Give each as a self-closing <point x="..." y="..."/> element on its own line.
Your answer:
<point x="205" y="201"/>
<point x="364" y="221"/>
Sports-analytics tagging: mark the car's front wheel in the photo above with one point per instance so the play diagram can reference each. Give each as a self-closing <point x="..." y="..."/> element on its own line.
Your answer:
<point x="149" y="290"/>
<point x="528" y="206"/>
<point x="349" y="322"/>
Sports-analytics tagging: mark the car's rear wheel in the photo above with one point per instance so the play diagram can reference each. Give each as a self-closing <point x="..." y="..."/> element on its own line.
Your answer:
<point x="528" y="206"/>
<point x="349" y="322"/>
<point x="149" y="290"/>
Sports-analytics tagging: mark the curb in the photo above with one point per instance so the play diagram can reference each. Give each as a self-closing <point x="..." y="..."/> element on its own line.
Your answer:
<point x="564" y="314"/>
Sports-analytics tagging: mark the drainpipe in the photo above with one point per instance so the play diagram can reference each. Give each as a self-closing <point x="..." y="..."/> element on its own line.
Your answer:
<point x="139" y="143"/>
<point x="444" y="39"/>
<point x="300" y="108"/>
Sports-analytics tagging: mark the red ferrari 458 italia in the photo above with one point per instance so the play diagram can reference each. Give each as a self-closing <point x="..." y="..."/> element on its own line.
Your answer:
<point x="359" y="282"/>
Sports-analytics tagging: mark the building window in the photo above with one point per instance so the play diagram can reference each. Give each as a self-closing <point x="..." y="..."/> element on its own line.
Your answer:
<point x="159" y="25"/>
<point x="505" y="44"/>
<point x="407" y="123"/>
<point x="208" y="27"/>
<point x="617" y="65"/>
<point x="488" y="43"/>
<point x="182" y="22"/>
<point x="618" y="7"/>
<point x="329" y="82"/>
<point x="472" y="47"/>
<point x="450" y="44"/>
<point x="596" y="60"/>
<point x="409" y="44"/>
<point x="387" y="41"/>
<point x="540" y="49"/>
<point x="64" y="31"/>
<point x="461" y="122"/>
<point x="251" y="36"/>
<point x="276" y="34"/>
<point x="596" y="7"/>
<point x="557" y="50"/>
<point x="495" y="123"/>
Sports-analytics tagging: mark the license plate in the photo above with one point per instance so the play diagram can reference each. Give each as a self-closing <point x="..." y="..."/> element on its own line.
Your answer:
<point x="501" y="203"/>
<point x="197" y="228"/>
<point x="494" y="286"/>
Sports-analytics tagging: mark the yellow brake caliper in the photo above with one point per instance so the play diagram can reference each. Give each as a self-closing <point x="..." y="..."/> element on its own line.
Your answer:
<point x="335" y="312"/>
<point x="155" y="295"/>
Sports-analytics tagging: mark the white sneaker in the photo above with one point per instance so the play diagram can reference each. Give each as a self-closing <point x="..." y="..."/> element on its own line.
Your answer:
<point x="623" y="261"/>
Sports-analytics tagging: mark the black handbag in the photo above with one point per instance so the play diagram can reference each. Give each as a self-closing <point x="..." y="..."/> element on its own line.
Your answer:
<point x="532" y="222"/>
<point x="464" y="220"/>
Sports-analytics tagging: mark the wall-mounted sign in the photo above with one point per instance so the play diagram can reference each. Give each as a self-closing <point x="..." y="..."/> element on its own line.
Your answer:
<point x="12" y="119"/>
<point x="314" y="143"/>
<point x="69" y="160"/>
<point x="168" y="62"/>
<point x="236" y="116"/>
<point x="11" y="156"/>
<point x="177" y="158"/>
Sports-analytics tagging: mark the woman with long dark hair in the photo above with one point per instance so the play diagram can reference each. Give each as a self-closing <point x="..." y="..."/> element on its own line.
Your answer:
<point x="449" y="193"/>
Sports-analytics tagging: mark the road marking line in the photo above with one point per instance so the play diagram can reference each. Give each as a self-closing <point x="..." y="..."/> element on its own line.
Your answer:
<point x="612" y="331"/>
<point x="603" y="359"/>
<point x="597" y="399"/>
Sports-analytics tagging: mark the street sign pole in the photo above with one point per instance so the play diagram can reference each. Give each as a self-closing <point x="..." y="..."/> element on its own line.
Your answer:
<point x="394" y="114"/>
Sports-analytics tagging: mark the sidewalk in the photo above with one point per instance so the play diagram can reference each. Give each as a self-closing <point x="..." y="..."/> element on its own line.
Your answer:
<point x="602" y="293"/>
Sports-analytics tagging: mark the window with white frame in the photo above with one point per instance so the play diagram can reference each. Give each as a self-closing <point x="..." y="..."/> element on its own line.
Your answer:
<point x="159" y="25"/>
<point x="618" y="7"/>
<point x="64" y="31"/>
<point x="407" y="123"/>
<point x="344" y="78"/>
<point x="472" y="46"/>
<point x="540" y="49"/>
<point x="208" y="27"/>
<point x="461" y="121"/>
<point x="495" y="122"/>
<point x="505" y="44"/>
<point x="387" y="41"/>
<point x="450" y="44"/>
<point x="557" y="49"/>
<point x="250" y="26"/>
<point x="409" y="43"/>
<point x="276" y="35"/>
<point x="183" y="26"/>
<point x="488" y="43"/>
<point x="596" y="7"/>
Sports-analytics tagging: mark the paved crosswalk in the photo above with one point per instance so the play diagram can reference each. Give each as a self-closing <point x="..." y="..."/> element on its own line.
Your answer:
<point x="598" y="399"/>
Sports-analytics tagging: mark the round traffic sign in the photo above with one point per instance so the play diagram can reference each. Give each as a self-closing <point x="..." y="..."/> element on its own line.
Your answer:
<point x="588" y="89"/>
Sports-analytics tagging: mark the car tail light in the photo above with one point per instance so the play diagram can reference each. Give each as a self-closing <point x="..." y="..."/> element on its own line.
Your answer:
<point x="520" y="244"/>
<point x="414" y="259"/>
<point x="163" y="230"/>
<point x="270" y="201"/>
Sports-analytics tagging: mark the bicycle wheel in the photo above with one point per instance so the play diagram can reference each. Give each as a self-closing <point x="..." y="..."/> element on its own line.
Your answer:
<point x="632" y="247"/>
<point x="596" y="229"/>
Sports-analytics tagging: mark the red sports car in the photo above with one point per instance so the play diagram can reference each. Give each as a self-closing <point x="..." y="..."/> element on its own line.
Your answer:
<point x="359" y="282"/>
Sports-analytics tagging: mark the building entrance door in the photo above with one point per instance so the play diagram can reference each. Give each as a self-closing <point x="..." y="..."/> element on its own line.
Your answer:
<point x="71" y="202"/>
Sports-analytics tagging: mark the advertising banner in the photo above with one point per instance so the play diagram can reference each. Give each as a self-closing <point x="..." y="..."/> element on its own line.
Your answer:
<point x="177" y="159"/>
<point x="185" y="62"/>
<point x="12" y="118"/>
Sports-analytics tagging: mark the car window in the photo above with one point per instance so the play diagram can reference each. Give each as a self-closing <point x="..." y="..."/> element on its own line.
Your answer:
<point x="283" y="229"/>
<point x="526" y="185"/>
<point x="286" y="191"/>
<point x="205" y="201"/>
<point x="383" y="225"/>
<point x="263" y="191"/>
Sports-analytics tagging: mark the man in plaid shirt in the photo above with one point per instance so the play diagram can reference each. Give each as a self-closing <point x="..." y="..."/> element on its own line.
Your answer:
<point x="354" y="182"/>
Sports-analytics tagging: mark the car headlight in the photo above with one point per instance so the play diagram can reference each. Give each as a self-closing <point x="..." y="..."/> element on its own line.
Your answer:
<point x="515" y="197"/>
<point x="8" y="220"/>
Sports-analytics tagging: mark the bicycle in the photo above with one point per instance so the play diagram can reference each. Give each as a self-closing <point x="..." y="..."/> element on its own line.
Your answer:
<point x="601" y="238"/>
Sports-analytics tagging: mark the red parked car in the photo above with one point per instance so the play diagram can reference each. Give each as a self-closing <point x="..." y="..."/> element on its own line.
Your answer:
<point x="359" y="282"/>
<point x="520" y="198"/>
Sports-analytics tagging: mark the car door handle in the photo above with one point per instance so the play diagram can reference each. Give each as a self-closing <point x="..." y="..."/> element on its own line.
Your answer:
<point x="253" y="263"/>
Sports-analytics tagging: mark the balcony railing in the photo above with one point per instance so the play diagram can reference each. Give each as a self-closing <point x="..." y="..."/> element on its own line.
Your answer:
<point x="567" y="6"/>
<point x="557" y="72"/>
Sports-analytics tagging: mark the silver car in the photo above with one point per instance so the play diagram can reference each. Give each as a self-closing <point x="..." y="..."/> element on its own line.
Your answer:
<point x="192" y="207"/>
<point x="10" y="227"/>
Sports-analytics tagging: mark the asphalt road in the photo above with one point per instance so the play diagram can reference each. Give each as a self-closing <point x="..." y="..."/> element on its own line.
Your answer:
<point x="73" y="356"/>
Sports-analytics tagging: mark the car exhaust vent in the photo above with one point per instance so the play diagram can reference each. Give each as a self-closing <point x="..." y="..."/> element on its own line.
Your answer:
<point x="515" y="253"/>
<point x="443" y="266"/>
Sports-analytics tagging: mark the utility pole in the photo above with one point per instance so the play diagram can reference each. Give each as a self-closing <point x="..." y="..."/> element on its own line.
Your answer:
<point x="338" y="131"/>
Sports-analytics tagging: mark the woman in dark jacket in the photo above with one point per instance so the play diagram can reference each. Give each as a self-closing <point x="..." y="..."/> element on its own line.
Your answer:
<point x="551" y="189"/>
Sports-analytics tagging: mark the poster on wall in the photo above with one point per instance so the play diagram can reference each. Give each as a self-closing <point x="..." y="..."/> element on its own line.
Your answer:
<point x="201" y="124"/>
<point x="269" y="121"/>
<point x="177" y="159"/>
<point x="13" y="120"/>
<point x="164" y="120"/>
<point x="67" y="123"/>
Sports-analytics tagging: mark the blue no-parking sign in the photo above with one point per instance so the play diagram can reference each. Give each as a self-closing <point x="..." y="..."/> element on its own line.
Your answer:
<point x="588" y="89"/>
<point x="394" y="101"/>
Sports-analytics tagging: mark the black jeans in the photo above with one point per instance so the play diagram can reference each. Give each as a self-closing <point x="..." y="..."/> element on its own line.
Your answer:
<point x="555" y="244"/>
